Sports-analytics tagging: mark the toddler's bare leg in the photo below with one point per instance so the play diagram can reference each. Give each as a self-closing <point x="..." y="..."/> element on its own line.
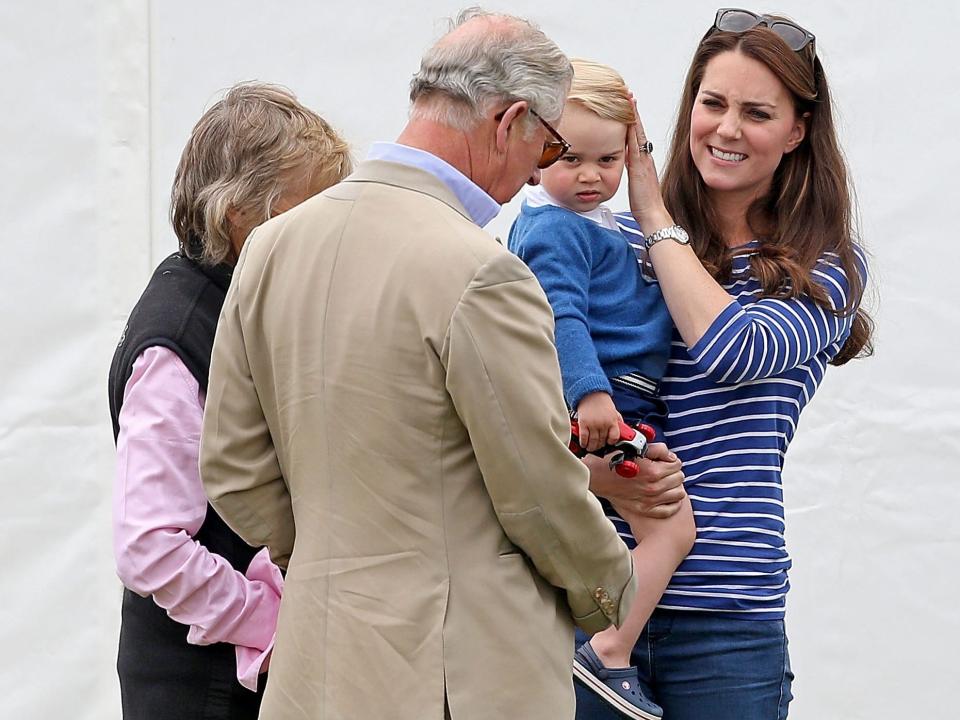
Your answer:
<point x="662" y="545"/>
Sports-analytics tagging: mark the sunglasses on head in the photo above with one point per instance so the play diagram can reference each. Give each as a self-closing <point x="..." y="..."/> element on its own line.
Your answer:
<point x="553" y="150"/>
<point x="735" y="20"/>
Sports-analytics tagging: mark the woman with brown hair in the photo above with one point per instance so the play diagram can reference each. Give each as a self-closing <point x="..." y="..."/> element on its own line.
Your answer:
<point x="752" y="242"/>
<point x="200" y="606"/>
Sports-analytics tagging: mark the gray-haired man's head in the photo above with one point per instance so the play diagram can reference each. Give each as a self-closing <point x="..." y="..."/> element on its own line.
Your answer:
<point x="486" y="60"/>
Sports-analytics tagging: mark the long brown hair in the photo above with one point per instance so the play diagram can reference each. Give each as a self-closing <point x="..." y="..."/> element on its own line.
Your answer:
<point x="808" y="209"/>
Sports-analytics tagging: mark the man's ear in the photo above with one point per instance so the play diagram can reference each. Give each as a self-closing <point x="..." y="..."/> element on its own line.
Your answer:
<point x="510" y="120"/>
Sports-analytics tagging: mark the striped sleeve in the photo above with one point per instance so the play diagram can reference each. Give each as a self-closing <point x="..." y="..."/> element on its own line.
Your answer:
<point x="771" y="336"/>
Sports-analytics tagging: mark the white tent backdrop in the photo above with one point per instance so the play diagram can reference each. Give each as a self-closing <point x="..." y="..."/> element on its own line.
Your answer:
<point x="100" y="97"/>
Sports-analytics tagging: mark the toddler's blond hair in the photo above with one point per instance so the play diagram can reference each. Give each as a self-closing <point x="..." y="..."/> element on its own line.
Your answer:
<point x="601" y="90"/>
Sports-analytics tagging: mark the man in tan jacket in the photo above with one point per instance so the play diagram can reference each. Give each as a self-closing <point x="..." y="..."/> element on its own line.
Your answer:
<point x="385" y="413"/>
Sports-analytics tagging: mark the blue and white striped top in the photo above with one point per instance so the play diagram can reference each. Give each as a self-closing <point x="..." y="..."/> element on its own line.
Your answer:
<point x="735" y="398"/>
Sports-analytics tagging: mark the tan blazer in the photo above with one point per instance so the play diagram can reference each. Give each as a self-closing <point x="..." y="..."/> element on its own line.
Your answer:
<point x="385" y="413"/>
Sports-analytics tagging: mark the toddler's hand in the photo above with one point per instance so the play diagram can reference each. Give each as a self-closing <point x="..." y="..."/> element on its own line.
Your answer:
<point x="599" y="421"/>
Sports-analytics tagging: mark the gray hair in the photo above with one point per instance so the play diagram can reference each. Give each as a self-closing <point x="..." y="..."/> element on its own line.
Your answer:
<point x="463" y="76"/>
<point x="242" y="154"/>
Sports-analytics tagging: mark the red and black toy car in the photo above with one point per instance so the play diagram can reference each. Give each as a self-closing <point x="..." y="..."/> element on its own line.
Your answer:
<point x="632" y="445"/>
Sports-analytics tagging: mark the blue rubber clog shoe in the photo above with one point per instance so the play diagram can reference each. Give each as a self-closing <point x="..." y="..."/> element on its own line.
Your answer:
<point x="619" y="687"/>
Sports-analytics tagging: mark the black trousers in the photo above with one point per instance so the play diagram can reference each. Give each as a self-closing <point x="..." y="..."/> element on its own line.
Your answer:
<point x="162" y="677"/>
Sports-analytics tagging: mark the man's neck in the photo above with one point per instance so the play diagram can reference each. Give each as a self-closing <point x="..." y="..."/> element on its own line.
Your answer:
<point x="449" y="144"/>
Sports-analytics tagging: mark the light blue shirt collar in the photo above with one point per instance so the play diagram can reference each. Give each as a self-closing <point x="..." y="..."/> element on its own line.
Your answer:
<point x="479" y="206"/>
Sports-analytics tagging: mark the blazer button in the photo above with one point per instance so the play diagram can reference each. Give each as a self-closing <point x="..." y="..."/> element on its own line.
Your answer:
<point x="603" y="600"/>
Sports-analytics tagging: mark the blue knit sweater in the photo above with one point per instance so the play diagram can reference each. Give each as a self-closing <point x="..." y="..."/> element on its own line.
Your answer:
<point x="609" y="319"/>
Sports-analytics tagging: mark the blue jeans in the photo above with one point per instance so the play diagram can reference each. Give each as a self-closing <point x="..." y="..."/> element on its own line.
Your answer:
<point x="637" y="407"/>
<point x="698" y="666"/>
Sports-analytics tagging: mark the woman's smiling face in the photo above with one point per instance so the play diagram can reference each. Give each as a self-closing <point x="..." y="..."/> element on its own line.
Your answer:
<point x="742" y="124"/>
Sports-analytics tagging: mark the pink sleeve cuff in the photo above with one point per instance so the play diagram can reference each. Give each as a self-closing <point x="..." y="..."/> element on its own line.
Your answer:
<point x="251" y="661"/>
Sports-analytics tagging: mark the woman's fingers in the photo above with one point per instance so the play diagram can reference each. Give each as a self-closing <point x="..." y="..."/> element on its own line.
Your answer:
<point x="639" y="133"/>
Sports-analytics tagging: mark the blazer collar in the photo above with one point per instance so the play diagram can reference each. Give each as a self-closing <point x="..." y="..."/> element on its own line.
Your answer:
<point x="410" y="178"/>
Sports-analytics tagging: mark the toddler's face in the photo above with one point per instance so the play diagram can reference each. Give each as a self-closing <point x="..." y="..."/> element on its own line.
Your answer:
<point x="590" y="172"/>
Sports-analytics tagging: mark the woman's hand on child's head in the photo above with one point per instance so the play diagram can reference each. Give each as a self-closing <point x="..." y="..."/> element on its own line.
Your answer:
<point x="646" y="203"/>
<point x="599" y="421"/>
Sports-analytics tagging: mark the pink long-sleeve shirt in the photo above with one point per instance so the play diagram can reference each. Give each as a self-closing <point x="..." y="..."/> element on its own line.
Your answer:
<point x="159" y="505"/>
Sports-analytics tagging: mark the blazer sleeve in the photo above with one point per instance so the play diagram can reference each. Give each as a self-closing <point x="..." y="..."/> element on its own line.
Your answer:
<point x="504" y="379"/>
<point x="238" y="461"/>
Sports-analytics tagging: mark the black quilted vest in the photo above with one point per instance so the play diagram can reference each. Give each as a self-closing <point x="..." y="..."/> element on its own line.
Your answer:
<point x="161" y="675"/>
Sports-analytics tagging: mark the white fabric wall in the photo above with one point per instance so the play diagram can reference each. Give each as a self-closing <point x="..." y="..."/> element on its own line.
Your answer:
<point x="99" y="97"/>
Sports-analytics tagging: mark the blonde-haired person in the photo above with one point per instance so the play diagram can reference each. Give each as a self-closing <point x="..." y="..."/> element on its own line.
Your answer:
<point x="200" y="607"/>
<point x="613" y="340"/>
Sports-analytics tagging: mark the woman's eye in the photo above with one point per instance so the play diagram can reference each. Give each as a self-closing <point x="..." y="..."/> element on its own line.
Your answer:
<point x="759" y="115"/>
<point x="711" y="102"/>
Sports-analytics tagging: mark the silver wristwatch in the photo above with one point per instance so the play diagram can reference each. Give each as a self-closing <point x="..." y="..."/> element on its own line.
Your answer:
<point x="674" y="232"/>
